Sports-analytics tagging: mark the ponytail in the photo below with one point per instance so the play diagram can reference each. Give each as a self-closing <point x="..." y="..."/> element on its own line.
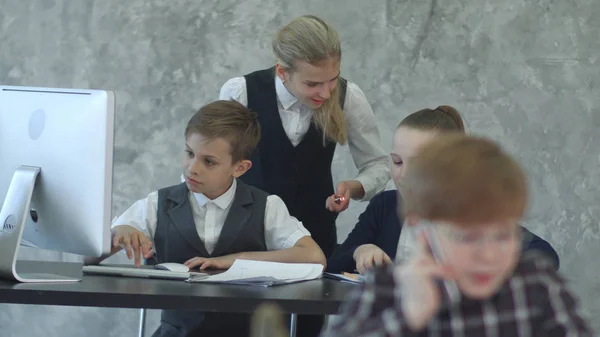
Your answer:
<point x="444" y="118"/>
<point x="453" y="113"/>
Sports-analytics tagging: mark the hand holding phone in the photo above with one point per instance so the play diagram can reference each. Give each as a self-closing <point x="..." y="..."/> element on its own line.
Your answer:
<point x="436" y="250"/>
<point x="423" y="279"/>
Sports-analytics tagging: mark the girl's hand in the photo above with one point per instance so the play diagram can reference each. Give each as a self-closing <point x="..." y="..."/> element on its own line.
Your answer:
<point x="339" y="201"/>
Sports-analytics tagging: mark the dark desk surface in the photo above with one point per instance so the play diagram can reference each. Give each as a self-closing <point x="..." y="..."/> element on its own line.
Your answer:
<point x="323" y="296"/>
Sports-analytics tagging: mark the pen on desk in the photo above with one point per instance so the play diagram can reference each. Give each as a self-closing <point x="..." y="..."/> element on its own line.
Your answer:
<point x="352" y="276"/>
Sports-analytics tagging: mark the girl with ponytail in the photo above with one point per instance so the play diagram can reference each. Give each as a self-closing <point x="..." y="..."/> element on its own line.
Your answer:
<point x="378" y="238"/>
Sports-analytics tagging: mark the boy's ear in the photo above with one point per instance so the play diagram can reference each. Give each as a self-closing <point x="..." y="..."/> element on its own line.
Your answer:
<point x="242" y="167"/>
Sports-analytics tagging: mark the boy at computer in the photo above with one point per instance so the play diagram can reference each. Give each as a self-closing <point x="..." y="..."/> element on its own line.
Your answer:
<point x="474" y="194"/>
<point x="212" y="218"/>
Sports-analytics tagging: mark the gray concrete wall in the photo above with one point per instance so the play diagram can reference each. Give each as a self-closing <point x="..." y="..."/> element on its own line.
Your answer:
<point x="523" y="72"/>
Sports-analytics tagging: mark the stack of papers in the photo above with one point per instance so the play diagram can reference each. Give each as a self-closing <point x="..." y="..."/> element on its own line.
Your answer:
<point x="262" y="273"/>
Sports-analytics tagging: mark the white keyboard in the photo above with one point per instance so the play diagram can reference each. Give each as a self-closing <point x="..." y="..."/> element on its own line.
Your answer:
<point x="143" y="271"/>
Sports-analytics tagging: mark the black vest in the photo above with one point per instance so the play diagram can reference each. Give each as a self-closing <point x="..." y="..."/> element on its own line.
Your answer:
<point x="300" y="175"/>
<point x="176" y="240"/>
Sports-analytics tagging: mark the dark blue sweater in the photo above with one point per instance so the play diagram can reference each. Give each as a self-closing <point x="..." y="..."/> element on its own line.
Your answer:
<point x="379" y="225"/>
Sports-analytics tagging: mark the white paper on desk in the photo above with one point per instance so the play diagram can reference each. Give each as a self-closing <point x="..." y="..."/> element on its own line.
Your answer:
<point x="262" y="273"/>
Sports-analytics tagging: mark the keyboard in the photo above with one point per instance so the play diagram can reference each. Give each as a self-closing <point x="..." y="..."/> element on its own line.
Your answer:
<point x="142" y="271"/>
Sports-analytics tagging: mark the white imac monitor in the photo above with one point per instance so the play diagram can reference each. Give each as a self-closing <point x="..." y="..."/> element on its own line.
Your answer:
<point x="56" y="165"/>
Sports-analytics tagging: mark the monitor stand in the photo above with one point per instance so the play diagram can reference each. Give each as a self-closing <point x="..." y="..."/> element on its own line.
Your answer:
<point x="13" y="217"/>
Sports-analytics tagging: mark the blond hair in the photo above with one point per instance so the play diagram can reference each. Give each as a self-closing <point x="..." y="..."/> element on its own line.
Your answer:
<point x="229" y="120"/>
<point x="310" y="39"/>
<point x="464" y="180"/>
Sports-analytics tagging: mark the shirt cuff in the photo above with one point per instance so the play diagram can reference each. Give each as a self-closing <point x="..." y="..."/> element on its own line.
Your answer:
<point x="369" y="186"/>
<point x="342" y="260"/>
<point x="374" y="180"/>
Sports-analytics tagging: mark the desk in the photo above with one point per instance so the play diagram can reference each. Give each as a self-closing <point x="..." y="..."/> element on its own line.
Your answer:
<point x="317" y="297"/>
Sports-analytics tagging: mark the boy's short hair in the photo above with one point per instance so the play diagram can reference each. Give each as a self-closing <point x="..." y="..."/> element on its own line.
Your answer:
<point x="464" y="180"/>
<point x="230" y="120"/>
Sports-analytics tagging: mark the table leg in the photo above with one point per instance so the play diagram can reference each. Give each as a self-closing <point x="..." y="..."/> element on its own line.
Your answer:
<point x="142" y="327"/>
<point x="293" y="321"/>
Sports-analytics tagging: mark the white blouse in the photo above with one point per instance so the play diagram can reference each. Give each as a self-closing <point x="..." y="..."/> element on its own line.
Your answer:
<point x="363" y="135"/>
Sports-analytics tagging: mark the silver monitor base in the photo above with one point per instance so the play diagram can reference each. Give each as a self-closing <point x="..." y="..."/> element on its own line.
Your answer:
<point x="13" y="217"/>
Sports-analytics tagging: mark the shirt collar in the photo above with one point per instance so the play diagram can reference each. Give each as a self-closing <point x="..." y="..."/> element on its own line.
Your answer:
<point x="285" y="97"/>
<point x="223" y="201"/>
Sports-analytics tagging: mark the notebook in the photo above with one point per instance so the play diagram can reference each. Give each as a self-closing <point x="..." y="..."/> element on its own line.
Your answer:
<point x="262" y="273"/>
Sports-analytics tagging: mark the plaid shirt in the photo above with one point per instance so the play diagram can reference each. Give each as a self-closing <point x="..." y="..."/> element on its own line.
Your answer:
<point x="533" y="302"/>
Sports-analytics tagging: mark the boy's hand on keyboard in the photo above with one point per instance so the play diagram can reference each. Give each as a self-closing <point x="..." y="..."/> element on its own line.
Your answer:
<point x="135" y="242"/>
<point x="221" y="262"/>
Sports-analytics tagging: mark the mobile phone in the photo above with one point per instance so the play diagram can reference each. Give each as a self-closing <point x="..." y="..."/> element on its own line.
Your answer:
<point x="438" y="255"/>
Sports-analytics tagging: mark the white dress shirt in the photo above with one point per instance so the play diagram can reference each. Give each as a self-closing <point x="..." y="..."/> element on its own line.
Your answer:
<point x="281" y="229"/>
<point x="363" y="136"/>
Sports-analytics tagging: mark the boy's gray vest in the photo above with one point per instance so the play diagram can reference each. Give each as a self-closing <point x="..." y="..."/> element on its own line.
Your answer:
<point x="176" y="240"/>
